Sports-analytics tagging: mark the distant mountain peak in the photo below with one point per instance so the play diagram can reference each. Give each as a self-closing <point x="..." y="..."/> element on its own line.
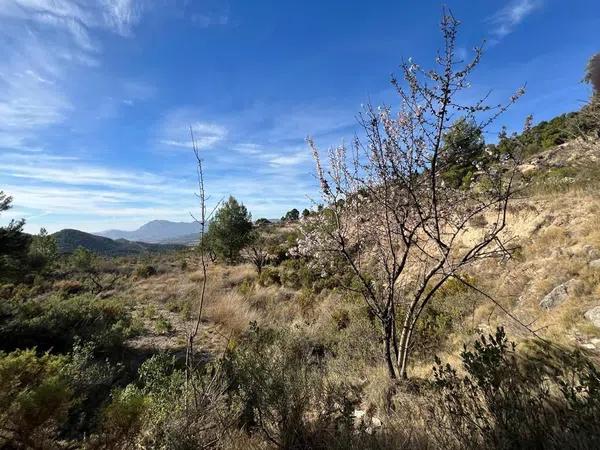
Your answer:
<point x="158" y="231"/>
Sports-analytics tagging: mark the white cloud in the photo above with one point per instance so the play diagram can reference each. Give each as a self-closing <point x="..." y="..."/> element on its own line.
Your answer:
<point x="292" y="159"/>
<point x="174" y="131"/>
<point x="47" y="39"/>
<point x="59" y="191"/>
<point x="248" y="148"/>
<point x="76" y="17"/>
<point x="513" y="14"/>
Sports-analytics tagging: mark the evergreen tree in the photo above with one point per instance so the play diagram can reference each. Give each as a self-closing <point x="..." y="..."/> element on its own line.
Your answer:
<point x="42" y="251"/>
<point x="229" y="231"/>
<point x="292" y="215"/>
<point x="463" y="148"/>
<point x="14" y="243"/>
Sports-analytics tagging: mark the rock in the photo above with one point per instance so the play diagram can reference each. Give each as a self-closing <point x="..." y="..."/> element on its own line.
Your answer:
<point x="593" y="315"/>
<point x="361" y="418"/>
<point x="591" y="252"/>
<point x="558" y="295"/>
<point x="105" y="294"/>
<point x="595" y="264"/>
<point x="359" y="414"/>
<point x="484" y="328"/>
<point x="526" y="168"/>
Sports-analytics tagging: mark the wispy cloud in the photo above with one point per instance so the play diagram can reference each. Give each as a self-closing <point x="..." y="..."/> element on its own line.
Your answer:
<point x="292" y="159"/>
<point x="76" y="17"/>
<point x="47" y="39"/>
<point x="508" y="18"/>
<point x="174" y="131"/>
<point x="74" y="191"/>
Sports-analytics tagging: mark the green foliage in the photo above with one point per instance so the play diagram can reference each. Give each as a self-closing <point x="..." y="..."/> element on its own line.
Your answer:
<point x="262" y="222"/>
<point x="463" y="149"/>
<point x="278" y="381"/>
<point x="35" y="398"/>
<point x="43" y="251"/>
<point x="147" y="271"/>
<point x="163" y="325"/>
<point x="540" y="137"/>
<point x="56" y="322"/>
<point x="504" y="402"/>
<point x="123" y="418"/>
<point x="147" y="413"/>
<point x="229" y="231"/>
<point x="291" y="216"/>
<point x="83" y="260"/>
<point x="269" y="276"/>
<point x="592" y="73"/>
<point x="14" y="244"/>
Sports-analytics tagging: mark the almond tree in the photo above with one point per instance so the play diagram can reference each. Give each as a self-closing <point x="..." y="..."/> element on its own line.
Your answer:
<point x="400" y="228"/>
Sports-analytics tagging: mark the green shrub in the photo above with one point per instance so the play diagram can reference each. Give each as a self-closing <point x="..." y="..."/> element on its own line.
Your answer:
<point x="278" y="381"/>
<point x="269" y="276"/>
<point x="55" y="322"/>
<point x="146" y="271"/>
<point x="297" y="274"/>
<point x="148" y="412"/>
<point x="163" y="325"/>
<point x="504" y="401"/>
<point x="35" y="398"/>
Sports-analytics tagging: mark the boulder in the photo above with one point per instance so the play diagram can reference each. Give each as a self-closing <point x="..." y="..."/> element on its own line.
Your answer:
<point x="370" y="423"/>
<point x="593" y="315"/>
<point x="595" y="264"/>
<point x="558" y="295"/>
<point x="591" y="252"/>
<point x="526" y="168"/>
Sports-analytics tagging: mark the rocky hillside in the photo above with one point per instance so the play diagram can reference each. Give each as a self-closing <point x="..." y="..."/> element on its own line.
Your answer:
<point x="551" y="286"/>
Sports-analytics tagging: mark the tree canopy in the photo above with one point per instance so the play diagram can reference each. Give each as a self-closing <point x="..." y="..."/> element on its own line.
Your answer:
<point x="14" y="243"/>
<point x="463" y="148"/>
<point x="229" y="231"/>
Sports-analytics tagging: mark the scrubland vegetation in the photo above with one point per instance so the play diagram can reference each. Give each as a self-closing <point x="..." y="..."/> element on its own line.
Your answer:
<point x="441" y="296"/>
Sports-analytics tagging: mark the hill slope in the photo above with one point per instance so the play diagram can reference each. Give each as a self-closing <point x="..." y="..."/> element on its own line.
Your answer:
<point x="69" y="240"/>
<point x="158" y="231"/>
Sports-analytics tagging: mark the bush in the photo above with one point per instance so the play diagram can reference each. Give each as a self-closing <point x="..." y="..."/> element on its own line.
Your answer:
<point x="69" y="287"/>
<point x="35" y="398"/>
<point x="269" y="276"/>
<point x="504" y="401"/>
<point x="159" y="412"/>
<point x="297" y="274"/>
<point x="146" y="271"/>
<point x="278" y="382"/>
<point x="55" y="323"/>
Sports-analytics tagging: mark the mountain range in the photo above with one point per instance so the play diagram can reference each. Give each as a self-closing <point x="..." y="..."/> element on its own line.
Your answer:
<point x="68" y="240"/>
<point x="158" y="232"/>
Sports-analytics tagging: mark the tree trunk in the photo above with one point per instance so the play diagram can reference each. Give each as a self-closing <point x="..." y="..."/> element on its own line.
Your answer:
<point x="388" y="338"/>
<point x="405" y="337"/>
<point x="403" y="357"/>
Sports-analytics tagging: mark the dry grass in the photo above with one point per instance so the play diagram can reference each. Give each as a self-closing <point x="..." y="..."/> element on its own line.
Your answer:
<point x="231" y="311"/>
<point x="558" y="236"/>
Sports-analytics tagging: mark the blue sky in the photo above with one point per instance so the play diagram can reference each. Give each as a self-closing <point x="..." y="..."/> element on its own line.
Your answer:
<point x="96" y="97"/>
